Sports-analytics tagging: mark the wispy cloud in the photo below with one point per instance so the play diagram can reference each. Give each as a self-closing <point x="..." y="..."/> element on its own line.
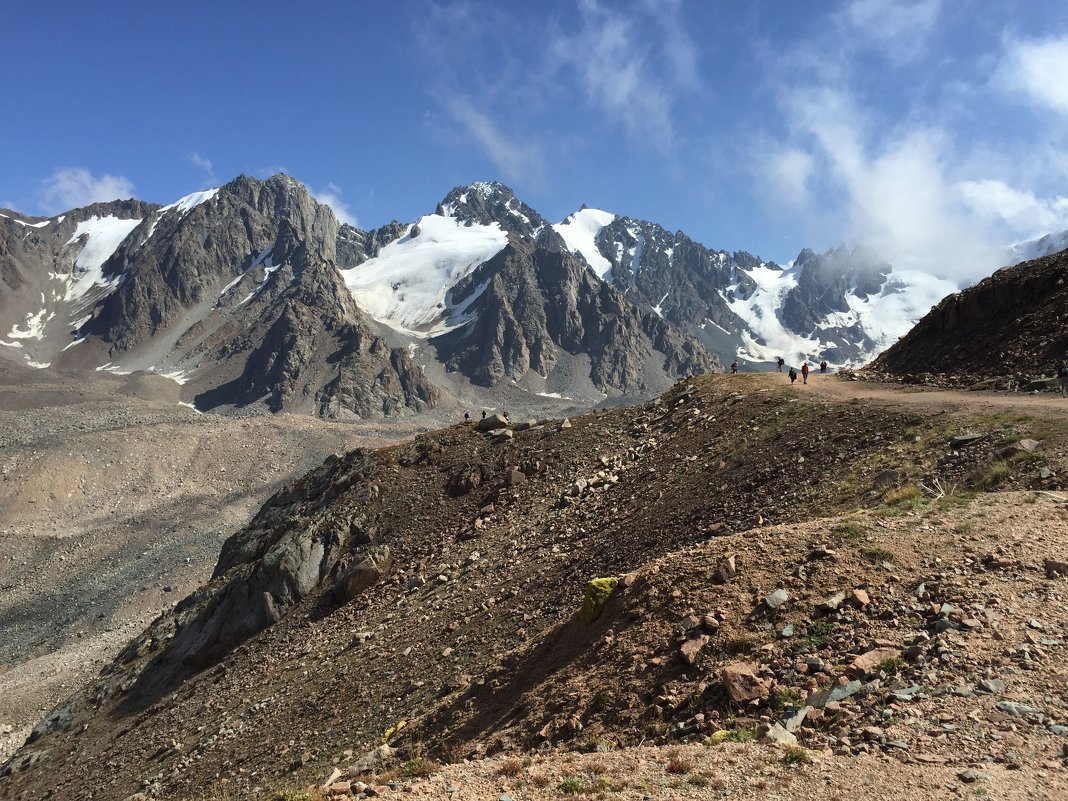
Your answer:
<point x="205" y="164"/>
<point x="1037" y="68"/>
<point x="611" y="59"/>
<point x="330" y="195"/>
<point x="899" y="28"/>
<point x="517" y="162"/>
<point x="71" y="187"/>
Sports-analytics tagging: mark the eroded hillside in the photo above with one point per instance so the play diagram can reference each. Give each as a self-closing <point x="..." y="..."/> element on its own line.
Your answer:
<point x="857" y="578"/>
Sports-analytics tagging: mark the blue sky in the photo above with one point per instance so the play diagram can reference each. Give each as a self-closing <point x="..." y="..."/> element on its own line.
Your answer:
<point x="929" y="129"/>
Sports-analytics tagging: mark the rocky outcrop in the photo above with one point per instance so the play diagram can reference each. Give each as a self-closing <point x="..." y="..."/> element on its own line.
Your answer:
<point x="1008" y="325"/>
<point x="537" y="300"/>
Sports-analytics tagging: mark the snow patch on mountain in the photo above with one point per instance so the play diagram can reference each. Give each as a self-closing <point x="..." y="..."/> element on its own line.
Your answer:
<point x="406" y="284"/>
<point x="579" y="232"/>
<point x="186" y="204"/>
<point x="105" y="235"/>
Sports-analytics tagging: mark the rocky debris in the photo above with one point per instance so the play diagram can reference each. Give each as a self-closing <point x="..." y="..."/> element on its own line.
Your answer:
<point x="1055" y="568"/>
<point x="494" y="600"/>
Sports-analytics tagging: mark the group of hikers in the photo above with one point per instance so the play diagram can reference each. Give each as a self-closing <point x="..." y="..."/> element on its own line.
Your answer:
<point x="781" y="362"/>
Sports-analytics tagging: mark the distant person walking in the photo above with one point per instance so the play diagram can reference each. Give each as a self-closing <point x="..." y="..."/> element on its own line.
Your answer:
<point x="804" y="373"/>
<point x="823" y="366"/>
<point x="793" y="375"/>
<point x="734" y="368"/>
<point x="1062" y="376"/>
<point x="780" y="361"/>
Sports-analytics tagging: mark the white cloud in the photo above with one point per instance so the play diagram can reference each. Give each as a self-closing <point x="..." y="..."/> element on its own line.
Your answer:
<point x="996" y="201"/>
<point x="611" y="62"/>
<point x="205" y="164"/>
<point x="71" y="187"/>
<point x="1039" y="69"/>
<point x="900" y="29"/>
<point x="330" y="195"/>
<point x="519" y="163"/>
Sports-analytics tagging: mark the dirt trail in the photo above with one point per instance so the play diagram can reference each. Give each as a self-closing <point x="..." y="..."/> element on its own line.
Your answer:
<point x="832" y="387"/>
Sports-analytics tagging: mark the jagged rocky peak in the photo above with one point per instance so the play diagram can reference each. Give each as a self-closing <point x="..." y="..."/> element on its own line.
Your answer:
<point x="489" y="202"/>
<point x="824" y="280"/>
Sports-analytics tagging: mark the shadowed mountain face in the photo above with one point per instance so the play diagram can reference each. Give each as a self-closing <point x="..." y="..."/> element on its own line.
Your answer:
<point x="1008" y="325"/>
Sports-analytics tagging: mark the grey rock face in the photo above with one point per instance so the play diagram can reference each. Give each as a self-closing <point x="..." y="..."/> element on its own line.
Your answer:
<point x="539" y="300"/>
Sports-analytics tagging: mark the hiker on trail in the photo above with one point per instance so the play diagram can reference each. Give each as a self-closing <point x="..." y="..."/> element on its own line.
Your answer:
<point x="483" y="414"/>
<point x="823" y="366"/>
<point x="734" y="367"/>
<point x="467" y="417"/>
<point x="780" y="362"/>
<point x="793" y="375"/>
<point x="804" y="373"/>
<point x="1062" y="375"/>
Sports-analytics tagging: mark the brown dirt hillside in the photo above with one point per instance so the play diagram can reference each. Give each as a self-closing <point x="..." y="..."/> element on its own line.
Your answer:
<point x="878" y="584"/>
<point x="1010" y="326"/>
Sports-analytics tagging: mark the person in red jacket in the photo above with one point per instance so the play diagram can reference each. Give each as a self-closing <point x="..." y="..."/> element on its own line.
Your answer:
<point x="804" y="373"/>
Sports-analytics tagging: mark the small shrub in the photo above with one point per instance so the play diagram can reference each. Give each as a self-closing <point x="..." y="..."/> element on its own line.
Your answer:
<point x="539" y="780"/>
<point x="734" y="735"/>
<point x="678" y="765"/>
<point x="818" y="633"/>
<point x="784" y="697"/>
<point x="992" y="476"/>
<point x="739" y="644"/>
<point x="891" y="665"/>
<point x="796" y="755"/>
<point x="418" y="768"/>
<point x="597" y="767"/>
<point x="572" y="785"/>
<point x="512" y="766"/>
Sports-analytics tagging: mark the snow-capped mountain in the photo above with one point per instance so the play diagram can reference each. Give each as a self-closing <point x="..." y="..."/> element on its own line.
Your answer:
<point x="253" y="293"/>
<point x="1036" y="248"/>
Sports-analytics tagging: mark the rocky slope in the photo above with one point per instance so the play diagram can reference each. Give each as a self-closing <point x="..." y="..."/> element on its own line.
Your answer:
<point x="855" y="591"/>
<point x="1007" y="328"/>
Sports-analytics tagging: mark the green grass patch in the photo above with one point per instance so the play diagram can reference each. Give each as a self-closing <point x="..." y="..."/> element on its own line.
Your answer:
<point x="849" y="531"/>
<point x="891" y="666"/>
<point x="992" y="476"/>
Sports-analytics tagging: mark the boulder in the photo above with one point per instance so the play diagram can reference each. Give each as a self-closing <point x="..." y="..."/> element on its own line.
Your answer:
<point x="742" y="683"/>
<point x="726" y="569"/>
<point x="376" y="565"/>
<point x="493" y="422"/>
<point x="690" y="650"/>
<point x="867" y="663"/>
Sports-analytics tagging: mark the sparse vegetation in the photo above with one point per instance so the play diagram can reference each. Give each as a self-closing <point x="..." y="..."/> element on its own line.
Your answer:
<point x="512" y="766"/>
<point x="733" y="735"/>
<point x="849" y="531"/>
<point x="891" y="665"/>
<point x="784" y="697"/>
<point x="907" y="495"/>
<point x="875" y="554"/>
<point x="796" y="755"/>
<point x="818" y="633"/>
<point x="572" y="785"/>
<point x="992" y="476"/>
<point x="419" y="768"/>
<point x="678" y="765"/>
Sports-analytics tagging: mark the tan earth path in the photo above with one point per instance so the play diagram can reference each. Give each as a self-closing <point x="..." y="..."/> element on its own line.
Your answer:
<point x="833" y="387"/>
